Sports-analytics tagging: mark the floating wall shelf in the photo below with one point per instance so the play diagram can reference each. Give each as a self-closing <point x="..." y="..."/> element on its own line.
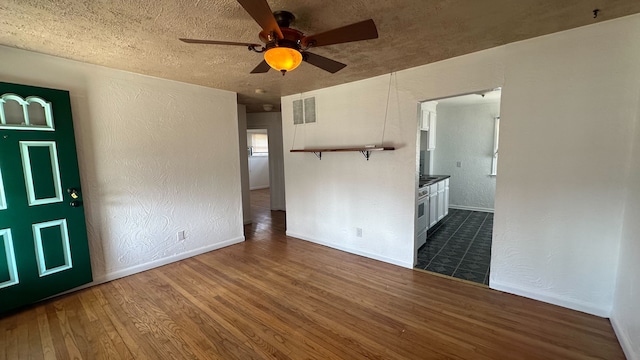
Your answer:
<point x="365" y="151"/>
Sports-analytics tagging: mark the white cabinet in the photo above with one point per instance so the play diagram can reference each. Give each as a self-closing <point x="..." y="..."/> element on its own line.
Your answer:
<point x="446" y="197"/>
<point x="425" y="119"/>
<point x="431" y="139"/>
<point x="428" y="122"/>
<point x="433" y="204"/>
<point x="438" y="202"/>
<point x="441" y="199"/>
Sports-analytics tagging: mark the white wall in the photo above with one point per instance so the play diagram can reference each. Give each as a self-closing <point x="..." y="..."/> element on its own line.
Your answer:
<point x="244" y="163"/>
<point x="156" y="157"/>
<point x="272" y="121"/>
<point x="258" y="172"/>
<point x="625" y="316"/>
<point x="328" y="199"/>
<point x="568" y="104"/>
<point x="568" y="107"/>
<point x="465" y="133"/>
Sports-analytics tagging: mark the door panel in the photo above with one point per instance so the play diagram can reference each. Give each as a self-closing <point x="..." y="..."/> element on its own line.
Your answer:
<point x="43" y="186"/>
<point x="44" y="239"/>
<point x="8" y="269"/>
<point x="52" y="247"/>
<point x="3" y="198"/>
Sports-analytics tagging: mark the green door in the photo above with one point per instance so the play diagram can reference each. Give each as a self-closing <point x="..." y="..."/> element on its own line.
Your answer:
<point x="43" y="236"/>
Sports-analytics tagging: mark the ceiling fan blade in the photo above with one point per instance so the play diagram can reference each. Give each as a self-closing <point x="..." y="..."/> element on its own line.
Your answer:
<point x="363" y="30"/>
<point x="322" y="62"/>
<point x="215" y="42"/>
<point x="262" y="14"/>
<point x="263" y="67"/>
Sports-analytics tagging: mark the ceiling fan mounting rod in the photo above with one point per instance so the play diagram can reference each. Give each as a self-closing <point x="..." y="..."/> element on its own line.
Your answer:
<point x="283" y="18"/>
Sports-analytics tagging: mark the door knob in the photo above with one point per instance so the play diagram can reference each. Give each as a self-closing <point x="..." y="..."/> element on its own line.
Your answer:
<point x="75" y="203"/>
<point x="75" y="194"/>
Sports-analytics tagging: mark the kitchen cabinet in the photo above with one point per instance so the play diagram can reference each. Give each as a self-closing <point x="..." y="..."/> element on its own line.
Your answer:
<point x="433" y="204"/>
<point x="428" y="120"/>
<point x="446" y="197"/>
<point x="438" y="204"/>
<point x="431" y="139"/>
<point x="425" y="120"/>
<point x="440" y="200"/>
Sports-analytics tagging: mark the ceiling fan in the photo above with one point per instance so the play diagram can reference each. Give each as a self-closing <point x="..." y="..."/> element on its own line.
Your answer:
<point x="285" y="48"/>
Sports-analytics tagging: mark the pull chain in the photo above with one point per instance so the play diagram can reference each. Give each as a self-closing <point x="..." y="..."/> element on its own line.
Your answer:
<point x="386" y="111"/>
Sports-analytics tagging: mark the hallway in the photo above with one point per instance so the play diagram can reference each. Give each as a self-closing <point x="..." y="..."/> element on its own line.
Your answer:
<point x="265" y="222"/>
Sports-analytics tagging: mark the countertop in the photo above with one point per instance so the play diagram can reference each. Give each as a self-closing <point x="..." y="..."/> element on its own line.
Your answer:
<point x="427" y="180"/>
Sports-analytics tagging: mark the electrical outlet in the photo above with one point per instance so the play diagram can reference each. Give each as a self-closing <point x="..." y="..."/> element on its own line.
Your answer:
<point x="359" y="232"/>
<point x="181" y="235"/>
<point x="459" y="164"/>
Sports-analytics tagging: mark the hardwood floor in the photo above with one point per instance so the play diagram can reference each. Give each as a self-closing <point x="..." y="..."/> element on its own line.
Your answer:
<point x="266" y="223"/>
<point x="277" y="297"/>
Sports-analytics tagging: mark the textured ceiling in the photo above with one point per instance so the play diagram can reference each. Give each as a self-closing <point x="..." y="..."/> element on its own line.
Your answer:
<point x="142" y="36"/>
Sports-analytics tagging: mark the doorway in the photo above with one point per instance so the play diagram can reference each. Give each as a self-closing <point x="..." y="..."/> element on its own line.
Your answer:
<point x="262" y="167"/>
<point x="461" y="148"/>
<point x="258" y="150"/>
<point x="259" y="186"/>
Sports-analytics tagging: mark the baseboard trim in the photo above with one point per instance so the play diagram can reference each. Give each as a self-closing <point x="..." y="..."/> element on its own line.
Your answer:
<point x="352" y="251"/>
<point x="154" y="264"/>
<point x="259" y="187"/>
<point x="472" y="208"/>
<point x="551" y="299"/>
<point x="624" y="340"/>
<point x="168" y="260"/>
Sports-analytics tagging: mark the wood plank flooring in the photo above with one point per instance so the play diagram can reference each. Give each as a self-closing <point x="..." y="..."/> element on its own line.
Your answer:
<point x="275" y="297"/>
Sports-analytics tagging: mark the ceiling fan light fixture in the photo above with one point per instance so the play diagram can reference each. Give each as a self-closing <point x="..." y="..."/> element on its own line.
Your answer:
<point x="282" y="58"/>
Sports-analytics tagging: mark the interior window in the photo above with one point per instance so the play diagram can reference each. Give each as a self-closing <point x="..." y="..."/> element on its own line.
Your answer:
<point x="259" y="145"/>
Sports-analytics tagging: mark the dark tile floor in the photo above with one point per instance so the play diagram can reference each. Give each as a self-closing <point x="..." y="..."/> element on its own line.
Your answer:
<point x="459" y="246"/>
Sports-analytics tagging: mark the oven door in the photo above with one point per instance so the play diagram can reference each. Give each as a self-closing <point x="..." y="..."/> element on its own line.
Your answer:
<point x="422" y="220"/>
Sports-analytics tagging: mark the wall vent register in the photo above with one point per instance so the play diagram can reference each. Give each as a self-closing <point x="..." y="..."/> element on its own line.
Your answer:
<point x="304" y="111"/>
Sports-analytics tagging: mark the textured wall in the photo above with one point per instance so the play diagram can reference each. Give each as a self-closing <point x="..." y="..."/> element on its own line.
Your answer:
<point x="156" y="157"/>
<point x="568" y="105"/>
<point x="328" y="199"/>
<point x="625" y="316"/>
<point x="465" y="133"/>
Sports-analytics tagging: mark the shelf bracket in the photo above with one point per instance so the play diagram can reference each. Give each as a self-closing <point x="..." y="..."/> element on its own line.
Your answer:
<point x="365" y="153"/>
<point x="318" y="154"/>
